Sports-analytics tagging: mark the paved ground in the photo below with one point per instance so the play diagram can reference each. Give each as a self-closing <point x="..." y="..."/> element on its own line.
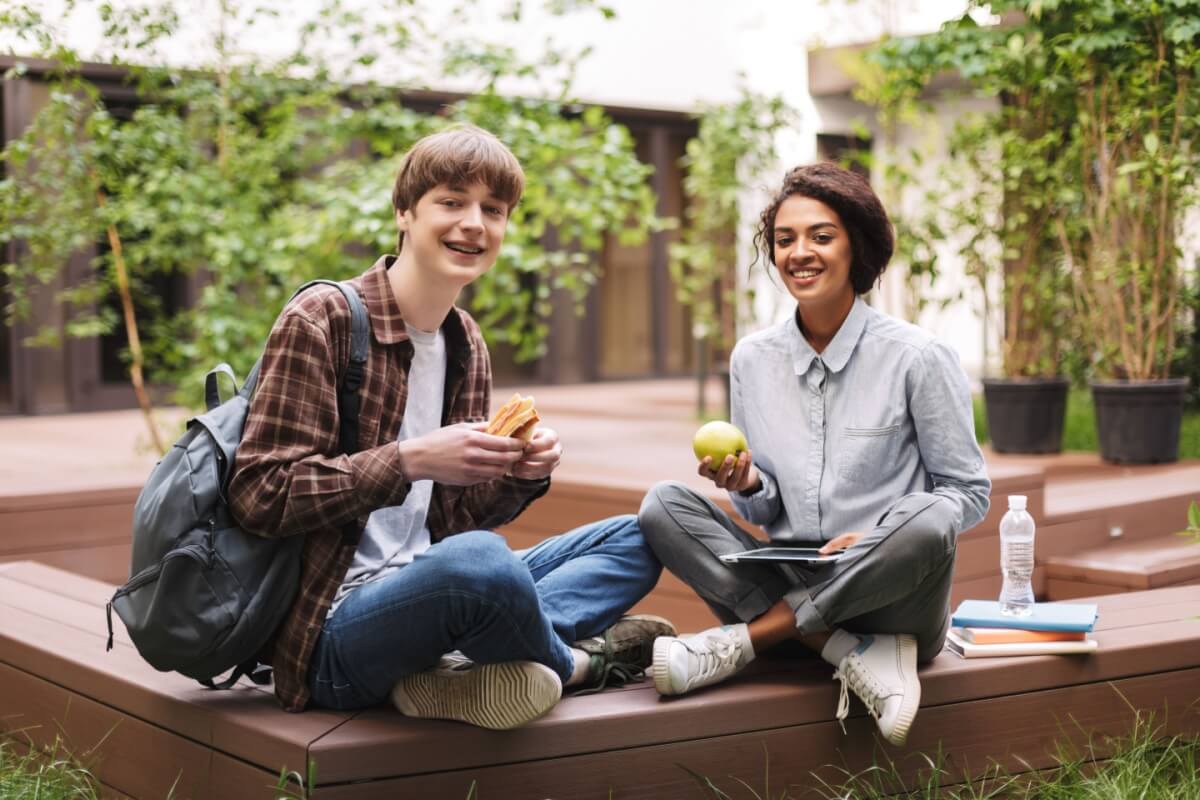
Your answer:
<point x="617" y="433"/>
<point x="626" y="432"/>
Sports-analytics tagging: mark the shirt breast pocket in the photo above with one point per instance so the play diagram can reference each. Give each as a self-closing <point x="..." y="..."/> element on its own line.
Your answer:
<point x="867" y="453"/>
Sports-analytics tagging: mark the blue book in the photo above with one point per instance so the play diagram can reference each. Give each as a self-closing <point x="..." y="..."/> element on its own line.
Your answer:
<point x="1045" y="616"/>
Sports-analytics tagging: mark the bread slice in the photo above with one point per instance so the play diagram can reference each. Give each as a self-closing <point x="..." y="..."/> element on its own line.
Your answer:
<point x="517" y="418"/>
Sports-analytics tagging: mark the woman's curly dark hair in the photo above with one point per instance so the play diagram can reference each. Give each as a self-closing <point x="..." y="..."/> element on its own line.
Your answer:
<point x="872" y="240"/>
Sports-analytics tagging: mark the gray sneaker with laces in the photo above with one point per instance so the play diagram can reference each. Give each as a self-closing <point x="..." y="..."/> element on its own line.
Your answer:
<point x="623" y="652"/>
<point x="684" y="663"/>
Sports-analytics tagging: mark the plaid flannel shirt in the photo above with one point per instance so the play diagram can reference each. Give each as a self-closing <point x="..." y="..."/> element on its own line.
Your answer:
<point x="291" y="479"/>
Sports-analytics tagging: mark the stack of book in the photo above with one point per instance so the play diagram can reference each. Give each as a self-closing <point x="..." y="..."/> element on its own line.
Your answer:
<point x="980" y="629"/>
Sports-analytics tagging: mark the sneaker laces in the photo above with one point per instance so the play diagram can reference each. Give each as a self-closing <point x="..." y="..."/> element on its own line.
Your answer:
<point x="454" y="662"/>
<point x="719" y="650"/>
<point x="612" y="673"/>
<point x="853" y="674"/>
<point x="605" y="670"/>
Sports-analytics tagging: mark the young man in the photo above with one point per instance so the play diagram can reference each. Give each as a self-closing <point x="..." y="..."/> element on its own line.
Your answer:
<point x="424" y="604"/>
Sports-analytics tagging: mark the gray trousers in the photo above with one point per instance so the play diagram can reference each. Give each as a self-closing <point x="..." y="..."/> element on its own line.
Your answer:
<point x="895" y="579"/>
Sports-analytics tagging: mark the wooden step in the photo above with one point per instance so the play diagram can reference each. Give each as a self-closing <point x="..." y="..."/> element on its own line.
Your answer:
<point x="1123" y="566"/>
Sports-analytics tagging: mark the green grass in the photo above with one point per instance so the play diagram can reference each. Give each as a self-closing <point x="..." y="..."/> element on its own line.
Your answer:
<point x="58" y="774"/>
<point x="1079" y="426"/>
<point x="51" y="776"/>
<point x="1144" y="765"/>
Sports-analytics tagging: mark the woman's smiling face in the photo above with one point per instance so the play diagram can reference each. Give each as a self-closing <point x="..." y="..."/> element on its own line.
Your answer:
<point x="813" y="253"/>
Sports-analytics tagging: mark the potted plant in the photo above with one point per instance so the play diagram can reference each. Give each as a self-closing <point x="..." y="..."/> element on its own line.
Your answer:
<point x="1026" y="407"/>
<point x="995" y="196"/>
<point x="1133" y="144"/>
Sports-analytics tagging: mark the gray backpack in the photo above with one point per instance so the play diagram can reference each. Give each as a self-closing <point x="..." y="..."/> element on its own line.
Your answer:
<point x="205" y="596"/>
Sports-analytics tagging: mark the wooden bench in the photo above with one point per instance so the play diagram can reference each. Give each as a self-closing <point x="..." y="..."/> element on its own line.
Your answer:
<point x="80" y="529"/>
<point x="143" y="732"/>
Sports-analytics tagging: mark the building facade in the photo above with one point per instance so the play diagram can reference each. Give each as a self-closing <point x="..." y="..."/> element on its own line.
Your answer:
<point x="631" y="327"/>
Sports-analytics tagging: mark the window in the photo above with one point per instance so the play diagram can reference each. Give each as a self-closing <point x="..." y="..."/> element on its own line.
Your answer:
<point x="851" y="152"/>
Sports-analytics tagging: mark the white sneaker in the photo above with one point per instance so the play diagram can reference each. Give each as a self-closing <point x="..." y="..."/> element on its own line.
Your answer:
<point x="882" y="672"/>
<point x="684" y="663"/>
<point x="497" y="696"/>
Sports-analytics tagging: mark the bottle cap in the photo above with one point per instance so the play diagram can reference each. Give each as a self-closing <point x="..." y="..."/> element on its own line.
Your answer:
<point x="1016" y="502"/>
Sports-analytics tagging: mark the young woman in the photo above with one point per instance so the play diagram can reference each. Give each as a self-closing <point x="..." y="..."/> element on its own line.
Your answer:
<point x="861" y="439"/>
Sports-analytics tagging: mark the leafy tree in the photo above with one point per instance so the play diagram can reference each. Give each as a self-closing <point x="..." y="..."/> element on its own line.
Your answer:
<point x="732" y="151"/>
<point x="260" y="174"/>
<point x="1072" y="189"/>
<point x="1132" y="143"/>
<point x="999" y="188"/>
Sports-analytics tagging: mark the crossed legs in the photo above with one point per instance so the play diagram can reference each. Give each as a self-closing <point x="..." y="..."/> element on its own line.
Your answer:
<point x="508" y="619"/>
<point x="886" y="599"/>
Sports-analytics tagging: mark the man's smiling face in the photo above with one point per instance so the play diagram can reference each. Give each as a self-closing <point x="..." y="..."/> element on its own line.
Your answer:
<point x="454" y="233"/>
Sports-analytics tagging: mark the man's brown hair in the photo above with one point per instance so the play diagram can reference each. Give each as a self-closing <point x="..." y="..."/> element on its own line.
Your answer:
<point x="458" y="156"/>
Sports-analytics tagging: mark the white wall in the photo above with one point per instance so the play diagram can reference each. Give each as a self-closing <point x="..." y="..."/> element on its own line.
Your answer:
<point x="954" y="303"/>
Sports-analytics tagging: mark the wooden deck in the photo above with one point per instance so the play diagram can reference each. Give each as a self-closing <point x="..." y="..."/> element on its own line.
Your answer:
<point x="68" y="483"/>
<point x="67" y="486"/>
<point x="142" y="732"/>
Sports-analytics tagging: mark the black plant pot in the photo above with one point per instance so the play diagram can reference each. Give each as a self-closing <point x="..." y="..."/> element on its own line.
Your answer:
<point x="1138" y="421"/>
<point x="1025" y="415"/>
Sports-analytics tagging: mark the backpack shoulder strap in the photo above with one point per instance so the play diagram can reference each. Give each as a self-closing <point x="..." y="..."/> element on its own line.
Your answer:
<point x="351" y="381"/>
<point x="348" y="385"/>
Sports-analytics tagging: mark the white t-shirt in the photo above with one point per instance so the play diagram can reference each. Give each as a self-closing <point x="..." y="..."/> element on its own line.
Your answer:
<point x="396" y="534"/>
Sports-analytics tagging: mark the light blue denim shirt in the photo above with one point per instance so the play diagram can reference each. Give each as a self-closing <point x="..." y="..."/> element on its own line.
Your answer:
<point x="839" y="437"/>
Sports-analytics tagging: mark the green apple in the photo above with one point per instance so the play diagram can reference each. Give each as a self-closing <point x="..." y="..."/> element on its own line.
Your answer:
<point x="718" y="439"/>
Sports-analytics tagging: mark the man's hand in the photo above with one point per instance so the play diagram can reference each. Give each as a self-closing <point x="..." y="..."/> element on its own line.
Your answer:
<point x="841" y="542"/>
<point x="735" y="474"/>
<point x="542" y="455"/>
<point x="460" y="455"/>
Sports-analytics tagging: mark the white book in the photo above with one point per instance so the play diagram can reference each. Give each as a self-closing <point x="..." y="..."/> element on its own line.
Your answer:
<point x="957" y="644"/>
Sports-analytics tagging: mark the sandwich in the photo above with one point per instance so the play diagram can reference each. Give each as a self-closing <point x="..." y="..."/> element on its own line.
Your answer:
<point x="516" y="418"/>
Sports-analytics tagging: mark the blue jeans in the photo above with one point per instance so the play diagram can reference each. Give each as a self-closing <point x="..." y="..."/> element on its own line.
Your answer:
<point x="471" y="593"/>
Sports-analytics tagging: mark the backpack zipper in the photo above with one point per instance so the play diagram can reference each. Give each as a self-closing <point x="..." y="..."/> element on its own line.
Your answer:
<point x="198" y="553"/>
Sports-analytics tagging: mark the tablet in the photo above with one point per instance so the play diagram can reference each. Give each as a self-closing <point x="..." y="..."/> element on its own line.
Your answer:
<point x="804" y="555"/>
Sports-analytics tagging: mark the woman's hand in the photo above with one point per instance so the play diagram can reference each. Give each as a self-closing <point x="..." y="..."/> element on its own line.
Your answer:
<point x="734" y="474"/>
<point x="841" y="542"/>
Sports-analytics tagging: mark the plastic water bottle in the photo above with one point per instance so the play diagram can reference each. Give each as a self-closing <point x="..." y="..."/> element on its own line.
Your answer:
<point x="1016" y="558"/>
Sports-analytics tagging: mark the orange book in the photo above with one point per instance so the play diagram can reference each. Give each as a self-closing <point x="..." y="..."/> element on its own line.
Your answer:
<point x="1014" y="636"/>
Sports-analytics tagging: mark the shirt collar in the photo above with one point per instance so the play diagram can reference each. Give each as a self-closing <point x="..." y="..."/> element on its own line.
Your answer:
<point x="837" y="353"/>
<point x="387" y="323"/>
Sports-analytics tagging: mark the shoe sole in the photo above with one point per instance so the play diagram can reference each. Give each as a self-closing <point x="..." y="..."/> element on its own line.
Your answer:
<point x="660" y="669"/>
<point x="912" y="690"/>
<point x="495" y="696"/>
